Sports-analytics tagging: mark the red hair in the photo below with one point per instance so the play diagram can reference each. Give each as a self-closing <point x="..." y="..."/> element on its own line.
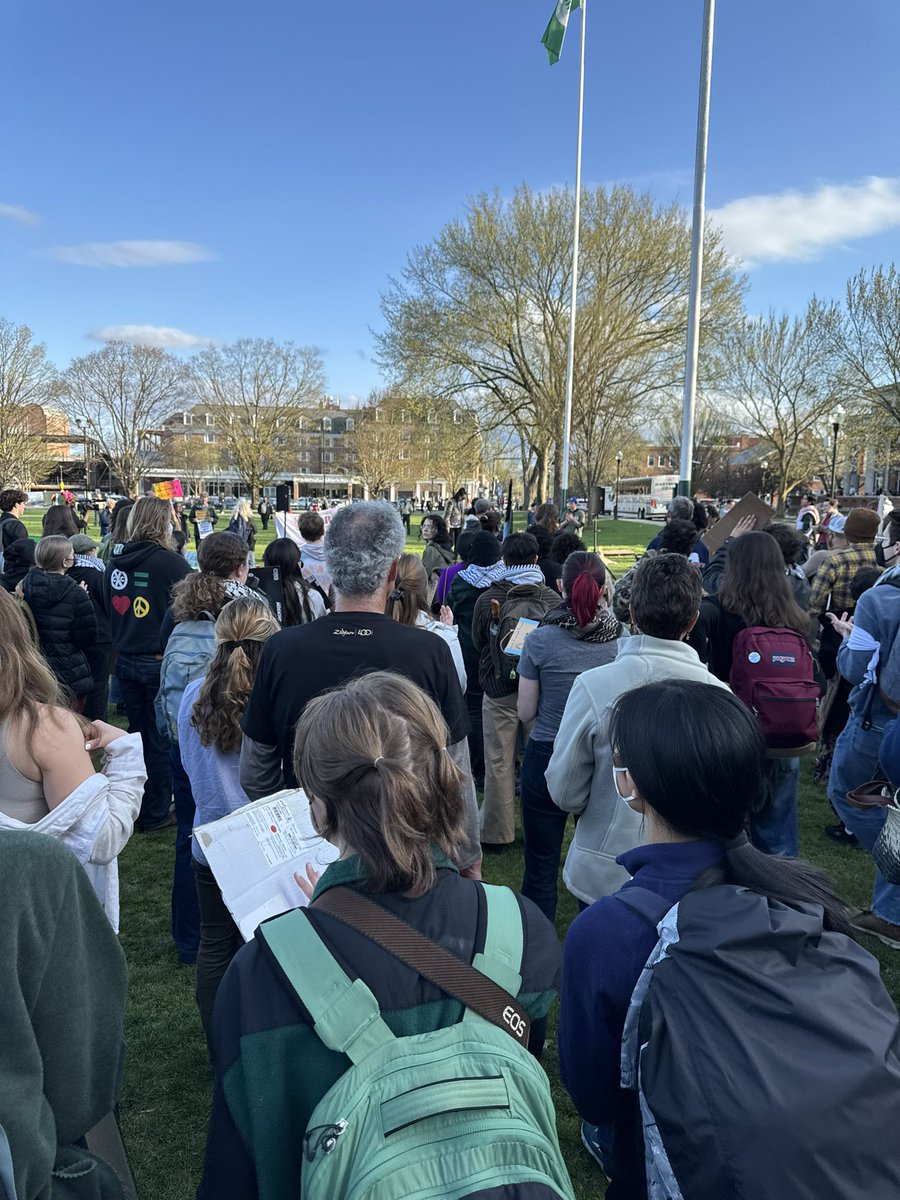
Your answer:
<point x="583" y="578"/>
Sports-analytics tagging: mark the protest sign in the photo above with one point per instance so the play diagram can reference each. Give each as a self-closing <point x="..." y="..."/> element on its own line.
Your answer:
<point x="748" y="506"/>
<point x="170" y="490"/>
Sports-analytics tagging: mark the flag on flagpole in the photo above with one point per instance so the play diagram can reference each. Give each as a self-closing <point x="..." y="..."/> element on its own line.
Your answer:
<point x="555" y="33"/>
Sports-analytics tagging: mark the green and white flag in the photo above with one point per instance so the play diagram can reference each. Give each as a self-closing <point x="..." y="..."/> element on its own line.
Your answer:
<point x="555" y="33"/>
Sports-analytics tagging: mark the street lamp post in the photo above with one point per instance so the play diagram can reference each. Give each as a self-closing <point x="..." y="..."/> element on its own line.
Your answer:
<point x="765" y="466"/>
<point x="836" y="417"/>
<point x="619" y="457"/>
<point x="87" y="455"/>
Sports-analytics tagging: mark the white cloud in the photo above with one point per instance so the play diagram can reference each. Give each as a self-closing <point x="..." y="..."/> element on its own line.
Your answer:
<point x="798" y="226"/>
<point x="150" y="335"/>
<point x="130" y="254"/>
<point x="14" y="212"/>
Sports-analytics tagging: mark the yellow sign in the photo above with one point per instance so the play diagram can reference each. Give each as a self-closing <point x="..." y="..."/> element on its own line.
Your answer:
<point x="140" y="607"/>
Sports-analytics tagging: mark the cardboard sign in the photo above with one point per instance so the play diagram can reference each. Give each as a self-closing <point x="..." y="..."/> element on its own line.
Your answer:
<point x="748" y="506"/>
<point x="171" y="490"/>
<point x="255" y="851"/>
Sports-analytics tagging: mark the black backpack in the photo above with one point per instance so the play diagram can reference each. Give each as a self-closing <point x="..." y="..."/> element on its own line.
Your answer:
<point x="498" y="671"/>
<point x="765" y="1052"/>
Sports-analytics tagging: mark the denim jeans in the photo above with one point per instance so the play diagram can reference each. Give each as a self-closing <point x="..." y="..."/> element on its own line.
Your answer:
<point x="544" y="826"/>
<point x="220" y="940"/>
<point x="775" y="829"/>
<point x="138" y="676"/>
<point x="185" y="913"/>
<point x="855" y="761"/>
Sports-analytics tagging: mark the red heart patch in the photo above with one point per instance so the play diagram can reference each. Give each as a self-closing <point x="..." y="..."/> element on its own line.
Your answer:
<point x="121" y="604"/>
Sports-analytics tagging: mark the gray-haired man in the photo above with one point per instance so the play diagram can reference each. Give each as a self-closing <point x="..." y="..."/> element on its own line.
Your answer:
<point x="363" y="545"/>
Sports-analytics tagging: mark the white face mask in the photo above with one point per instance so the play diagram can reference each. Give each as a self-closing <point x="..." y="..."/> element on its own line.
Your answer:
<point x="617" y="771"/>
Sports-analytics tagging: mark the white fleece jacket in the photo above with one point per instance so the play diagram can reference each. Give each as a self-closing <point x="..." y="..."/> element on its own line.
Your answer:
<point x="96" y="820"/>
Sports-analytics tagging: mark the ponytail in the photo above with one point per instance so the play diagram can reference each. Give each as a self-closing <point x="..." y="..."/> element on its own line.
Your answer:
<point x="787" y="880"/>
<point x="583" y="579"/>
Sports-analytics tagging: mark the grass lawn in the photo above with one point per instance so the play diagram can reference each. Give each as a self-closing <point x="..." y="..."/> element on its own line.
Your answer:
<point x="168" y="1083"/>
<point x="619" y="540"/>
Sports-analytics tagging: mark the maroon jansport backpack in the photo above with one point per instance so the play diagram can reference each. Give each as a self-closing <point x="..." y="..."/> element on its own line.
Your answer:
<point x="772" y="672"/>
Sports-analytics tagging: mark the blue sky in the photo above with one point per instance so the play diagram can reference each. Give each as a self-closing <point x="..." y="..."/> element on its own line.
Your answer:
<point x="276" y="161"/>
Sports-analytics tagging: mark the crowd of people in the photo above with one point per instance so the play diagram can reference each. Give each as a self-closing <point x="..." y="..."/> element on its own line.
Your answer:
<point x="721" y="1032"/>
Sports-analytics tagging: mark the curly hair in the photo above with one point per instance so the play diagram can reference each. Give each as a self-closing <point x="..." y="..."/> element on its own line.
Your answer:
<point x="362" y="542"/>
<point x="564" y="544"/>
<point x="202" y="593"/>
<point x="242" y="629"/>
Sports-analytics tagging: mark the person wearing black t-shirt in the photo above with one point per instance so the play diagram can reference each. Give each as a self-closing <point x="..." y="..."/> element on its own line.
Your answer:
<point x="363" y="545"/>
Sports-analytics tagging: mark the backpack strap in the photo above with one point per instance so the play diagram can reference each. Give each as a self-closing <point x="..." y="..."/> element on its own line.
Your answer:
<point x="647" y="905"/>
<point x="474" y="986"/>
<point x="345" y="1013"/>
<point x="504" y="939"/>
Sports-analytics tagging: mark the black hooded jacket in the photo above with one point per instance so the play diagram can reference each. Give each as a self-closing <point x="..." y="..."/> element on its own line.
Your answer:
<point x="18" y="559"/>
<point x="137" y="589"/>
<point x="66" y="626"/>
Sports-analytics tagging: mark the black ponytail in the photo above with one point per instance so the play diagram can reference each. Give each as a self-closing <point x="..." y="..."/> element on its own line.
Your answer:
<point x="698" y="758"/>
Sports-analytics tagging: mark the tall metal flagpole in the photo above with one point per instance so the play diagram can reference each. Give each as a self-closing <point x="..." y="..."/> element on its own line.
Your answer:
<point x="570" y="357"/>
<point x="697" y="231"/>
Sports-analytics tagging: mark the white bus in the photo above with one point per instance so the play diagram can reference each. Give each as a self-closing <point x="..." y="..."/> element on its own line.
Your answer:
<point x="645" y="498"/>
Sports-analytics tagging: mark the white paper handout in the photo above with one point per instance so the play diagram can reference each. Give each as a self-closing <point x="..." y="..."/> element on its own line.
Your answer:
<point x="254" y="852"/>
<point x="516" y="643"/>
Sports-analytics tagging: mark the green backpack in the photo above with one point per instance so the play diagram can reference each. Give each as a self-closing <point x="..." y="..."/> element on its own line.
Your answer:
<point x="460" y="1112"/>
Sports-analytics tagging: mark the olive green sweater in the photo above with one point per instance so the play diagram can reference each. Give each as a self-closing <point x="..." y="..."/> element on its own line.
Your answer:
<point x="62" y="1004"/>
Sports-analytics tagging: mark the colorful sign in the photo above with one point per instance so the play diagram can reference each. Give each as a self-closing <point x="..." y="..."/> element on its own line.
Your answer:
<point x="171" y="490"/>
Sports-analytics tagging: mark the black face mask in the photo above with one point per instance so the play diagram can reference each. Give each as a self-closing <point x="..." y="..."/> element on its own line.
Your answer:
<point x="879" y="555"/>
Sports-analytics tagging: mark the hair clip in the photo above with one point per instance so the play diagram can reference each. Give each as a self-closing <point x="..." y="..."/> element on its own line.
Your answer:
<point x="396" y="594"/>
<point x="379" y="759"/>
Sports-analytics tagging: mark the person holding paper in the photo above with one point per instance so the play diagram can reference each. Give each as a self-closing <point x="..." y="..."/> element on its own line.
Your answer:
<point x="209" y="739"/>
<point x="203" y="517"/>
<point x="371" y="755"/>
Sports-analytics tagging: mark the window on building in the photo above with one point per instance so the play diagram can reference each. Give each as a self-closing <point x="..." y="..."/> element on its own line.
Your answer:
<point x="327" y="456"/>
<point x="209" y="418"/>
<point x="457" y="417"/>
<point x="326" y="424"/>
<point x="350" y="425"/>
<point x="651" y="461"/>
<point x="187" y="418"/>
<point x="209" y="438"/>
<point x="403" y="455"/>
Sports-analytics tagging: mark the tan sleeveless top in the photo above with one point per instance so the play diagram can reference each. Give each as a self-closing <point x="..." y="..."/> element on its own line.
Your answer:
<point x="20" y="798"/>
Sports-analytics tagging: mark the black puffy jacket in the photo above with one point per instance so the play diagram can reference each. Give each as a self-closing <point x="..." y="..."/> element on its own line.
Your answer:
<point x="66" y="624"/>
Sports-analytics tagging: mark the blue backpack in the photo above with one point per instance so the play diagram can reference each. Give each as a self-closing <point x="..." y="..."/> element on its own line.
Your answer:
<point x="188" y="653"/>
<point x="764" y="1051"/>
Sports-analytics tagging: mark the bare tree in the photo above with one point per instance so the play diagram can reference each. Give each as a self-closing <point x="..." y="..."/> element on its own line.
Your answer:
<point x="27" y="379"/>
<point x="715" y="431"/>
<point x="781" y="381"/>
<point x="193" y="459"/>
<point x="259" y="392"/>
<point x="124" y="394"/>
<point x="381" y="449"/>
<point x="481" y="313"/>
<point x="868" y="339"/>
